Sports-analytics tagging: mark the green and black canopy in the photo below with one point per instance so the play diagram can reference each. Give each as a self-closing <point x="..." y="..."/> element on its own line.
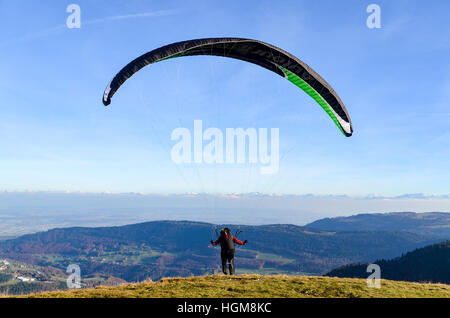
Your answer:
<point x="253" y="51"/>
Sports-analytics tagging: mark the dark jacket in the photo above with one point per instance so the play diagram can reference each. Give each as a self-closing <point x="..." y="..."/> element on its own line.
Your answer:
<point x="227" y="242"/>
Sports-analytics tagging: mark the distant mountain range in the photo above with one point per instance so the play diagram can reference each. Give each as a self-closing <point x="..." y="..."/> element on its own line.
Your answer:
<point x="433" y="223"/>
<point x="170" y="248"/>
<point x="428" y="264"/>
<point x="153" y="250"/>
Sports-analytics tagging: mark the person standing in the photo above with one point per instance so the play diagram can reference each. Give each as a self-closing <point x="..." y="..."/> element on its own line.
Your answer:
<point x="227" y="245"/>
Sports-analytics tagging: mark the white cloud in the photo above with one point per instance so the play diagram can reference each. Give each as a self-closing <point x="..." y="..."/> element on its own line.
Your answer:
<point x="63" y="27"/>
<point x="159" y="13"/>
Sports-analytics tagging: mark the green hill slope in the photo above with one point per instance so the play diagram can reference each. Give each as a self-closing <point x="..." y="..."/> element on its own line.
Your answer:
<point x="153" y="250"/>
<point x="432" y="223"/>
<point x="255" y="286"/>
<point x="428" y="264"/>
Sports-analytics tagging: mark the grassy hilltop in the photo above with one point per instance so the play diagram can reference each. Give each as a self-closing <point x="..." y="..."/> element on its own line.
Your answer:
<point x="256" y="286"/>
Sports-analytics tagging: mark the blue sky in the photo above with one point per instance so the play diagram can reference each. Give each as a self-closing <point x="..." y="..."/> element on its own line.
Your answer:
<point x="56" y="134"/>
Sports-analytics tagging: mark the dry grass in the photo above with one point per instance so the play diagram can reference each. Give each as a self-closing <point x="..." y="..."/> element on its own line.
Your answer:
<point x="255" y="286"/>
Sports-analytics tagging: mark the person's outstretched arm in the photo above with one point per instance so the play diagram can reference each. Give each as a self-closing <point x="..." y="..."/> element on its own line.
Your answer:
<point x="237" y="241"/>
<point x="216" y="242"/>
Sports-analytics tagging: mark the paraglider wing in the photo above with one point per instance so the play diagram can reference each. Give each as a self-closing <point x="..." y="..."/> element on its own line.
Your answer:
<point x="253" y="51"/>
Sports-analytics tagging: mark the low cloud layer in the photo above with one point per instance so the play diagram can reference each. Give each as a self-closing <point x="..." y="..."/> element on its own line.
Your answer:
<point x="234" y="208"/>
